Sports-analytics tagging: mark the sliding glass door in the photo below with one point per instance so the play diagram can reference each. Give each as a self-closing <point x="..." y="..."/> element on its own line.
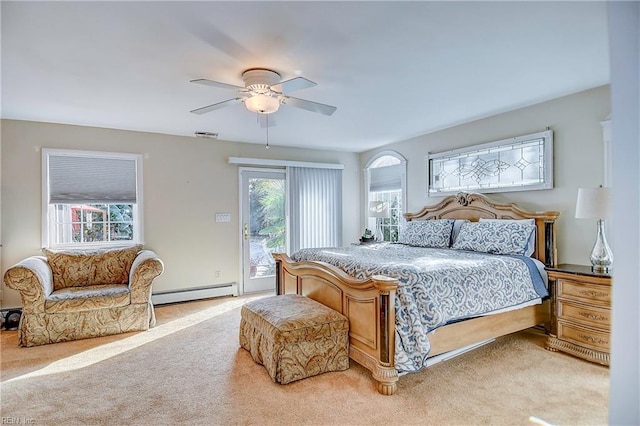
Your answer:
<point x="264" y="221"/>
<point x="286" y="209"/>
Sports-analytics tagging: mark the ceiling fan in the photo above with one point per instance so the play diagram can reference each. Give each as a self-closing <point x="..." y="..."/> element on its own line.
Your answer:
<point x="263" y="92"/>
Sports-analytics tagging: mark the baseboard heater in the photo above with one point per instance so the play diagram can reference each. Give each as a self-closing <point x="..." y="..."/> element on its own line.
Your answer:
<point x="194" y="293"/>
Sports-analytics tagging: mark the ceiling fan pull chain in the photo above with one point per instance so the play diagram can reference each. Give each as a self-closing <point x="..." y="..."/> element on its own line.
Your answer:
<point x="267" y="147"/>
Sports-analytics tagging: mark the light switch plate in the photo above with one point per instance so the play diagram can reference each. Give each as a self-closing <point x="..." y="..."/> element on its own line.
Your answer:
<point x="223" y="217"/>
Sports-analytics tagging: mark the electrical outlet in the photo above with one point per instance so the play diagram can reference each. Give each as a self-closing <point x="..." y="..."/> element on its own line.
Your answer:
<point x="217" y="274"/>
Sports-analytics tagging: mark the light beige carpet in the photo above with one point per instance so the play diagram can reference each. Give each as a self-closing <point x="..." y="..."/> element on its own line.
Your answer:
<point x="189" y="369"/>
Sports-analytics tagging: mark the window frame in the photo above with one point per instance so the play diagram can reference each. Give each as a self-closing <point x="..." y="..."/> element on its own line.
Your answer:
<point x="547" y="148"/>
<point x="367" y="186"/>
<point x="48" y="210"/>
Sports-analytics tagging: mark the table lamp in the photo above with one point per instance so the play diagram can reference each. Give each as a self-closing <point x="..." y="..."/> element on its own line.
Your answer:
<point x="595" y="203"/>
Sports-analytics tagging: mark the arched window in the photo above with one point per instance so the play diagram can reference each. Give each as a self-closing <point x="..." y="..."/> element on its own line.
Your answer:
<point x="385" y="186"/>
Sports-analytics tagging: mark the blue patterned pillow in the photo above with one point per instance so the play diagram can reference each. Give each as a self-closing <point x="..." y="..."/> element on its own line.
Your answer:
<point x="457" y="224"/>
<point x="434" y="233"/>
<point x="494" y="237"/>
<point x="531" y="245"/>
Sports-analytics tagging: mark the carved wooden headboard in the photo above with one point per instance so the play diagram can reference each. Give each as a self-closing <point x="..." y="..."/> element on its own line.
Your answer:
<point x="474" y="206"/>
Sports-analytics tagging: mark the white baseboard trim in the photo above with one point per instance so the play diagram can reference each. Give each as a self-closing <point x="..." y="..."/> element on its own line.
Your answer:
<point x="196" y="293"/>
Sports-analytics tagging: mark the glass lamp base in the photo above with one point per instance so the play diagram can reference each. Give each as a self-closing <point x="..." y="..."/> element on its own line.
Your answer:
<point x="601" y="256"/>
<point x="601" y="269"/>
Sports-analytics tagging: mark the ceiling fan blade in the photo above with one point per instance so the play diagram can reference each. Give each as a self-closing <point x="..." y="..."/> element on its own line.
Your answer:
<point x="309" y="105"/>
<point x="267" y="120"/>
<point x="219" y="105"/>
<point x="213" y="83"/>
<point x="295" y="83"/>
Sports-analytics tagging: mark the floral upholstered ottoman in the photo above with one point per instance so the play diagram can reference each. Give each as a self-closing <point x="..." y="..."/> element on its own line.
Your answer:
<point x="294" y="337"/>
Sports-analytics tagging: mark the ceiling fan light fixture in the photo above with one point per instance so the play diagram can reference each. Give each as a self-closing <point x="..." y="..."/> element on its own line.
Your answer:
<point x="262" y="104"/>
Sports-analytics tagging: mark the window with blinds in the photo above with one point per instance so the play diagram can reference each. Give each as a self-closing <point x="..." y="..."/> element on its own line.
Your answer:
<point x="91" y="198"/>
<point x="315" y="205"/>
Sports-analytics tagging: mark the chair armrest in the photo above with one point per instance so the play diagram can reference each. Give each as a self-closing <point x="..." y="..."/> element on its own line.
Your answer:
<point x="31" y="277"/>
<point x="145" y="268"/>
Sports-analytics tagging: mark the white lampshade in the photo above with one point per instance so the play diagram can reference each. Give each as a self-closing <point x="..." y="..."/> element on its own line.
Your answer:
<point x="378" y="209"/>
<point x="593" y="203"/>
<point x="262" y="103"/>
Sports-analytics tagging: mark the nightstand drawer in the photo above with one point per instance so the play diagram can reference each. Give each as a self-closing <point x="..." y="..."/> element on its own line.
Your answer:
<point x="588" y="315"/>
<point x="581" y="314"/>
<point x="581" y="292"/>
<point x="590" y="338"/>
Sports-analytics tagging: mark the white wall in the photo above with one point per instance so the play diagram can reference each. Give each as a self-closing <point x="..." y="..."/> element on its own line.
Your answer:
<point x="624" y="35"/>
<point x="578" y="162"/>
<point x="186" y="181"/>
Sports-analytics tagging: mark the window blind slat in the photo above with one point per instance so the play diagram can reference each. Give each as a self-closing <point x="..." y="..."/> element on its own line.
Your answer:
<point x="387" y="178"/>
<point x="315" y="202"/>
<point x="79" y="179"/>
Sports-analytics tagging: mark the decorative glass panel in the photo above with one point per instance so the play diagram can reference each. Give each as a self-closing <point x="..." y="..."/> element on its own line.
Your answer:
<point x="516" y="164"/>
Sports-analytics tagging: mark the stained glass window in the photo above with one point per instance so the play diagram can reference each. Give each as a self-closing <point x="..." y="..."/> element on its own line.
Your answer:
<point x="516" y="164"/>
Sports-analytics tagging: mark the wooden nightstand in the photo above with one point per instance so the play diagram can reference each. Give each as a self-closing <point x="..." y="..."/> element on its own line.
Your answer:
<point x="580" y="312"/>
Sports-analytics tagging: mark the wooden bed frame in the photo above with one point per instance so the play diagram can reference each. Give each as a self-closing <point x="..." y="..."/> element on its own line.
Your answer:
<point x="370" y="307"/>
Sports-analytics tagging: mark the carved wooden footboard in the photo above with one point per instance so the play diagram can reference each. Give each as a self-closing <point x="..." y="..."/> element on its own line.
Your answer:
<point x="370" y="304"/>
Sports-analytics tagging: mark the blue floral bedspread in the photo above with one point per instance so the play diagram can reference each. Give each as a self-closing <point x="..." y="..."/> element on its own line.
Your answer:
<point x="436" y="287"/>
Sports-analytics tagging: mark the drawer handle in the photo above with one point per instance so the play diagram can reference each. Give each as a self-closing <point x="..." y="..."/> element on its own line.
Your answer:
<point x="591" y="293"/>
<point x="594" y="316"/>
<point x="592" y="339"/>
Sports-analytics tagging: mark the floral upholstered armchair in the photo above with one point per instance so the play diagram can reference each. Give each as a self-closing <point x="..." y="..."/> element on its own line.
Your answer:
<point x="77" y="294"/>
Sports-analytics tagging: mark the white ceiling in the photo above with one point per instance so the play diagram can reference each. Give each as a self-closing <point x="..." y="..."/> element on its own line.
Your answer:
<point x="394" y="70"/>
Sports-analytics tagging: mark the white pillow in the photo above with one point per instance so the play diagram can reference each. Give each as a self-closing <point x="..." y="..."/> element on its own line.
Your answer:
<point x="531" y="244"/>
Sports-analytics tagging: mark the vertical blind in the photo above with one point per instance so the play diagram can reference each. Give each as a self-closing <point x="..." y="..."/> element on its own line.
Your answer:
<point x="91" y="180"/>
<point x="315" y="203"/>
